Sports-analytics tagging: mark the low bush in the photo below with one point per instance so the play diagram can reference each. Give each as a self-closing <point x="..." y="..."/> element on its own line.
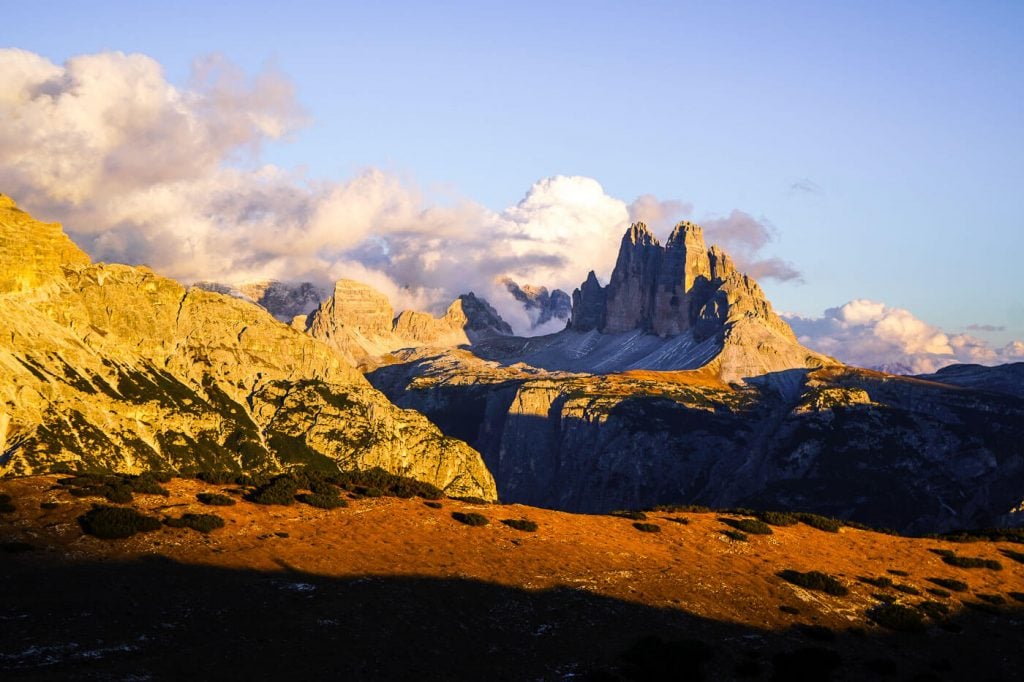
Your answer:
<point x="49" y="505"/>
<point x="112" y="523"/>
<point x="6" y="505"/>
<point x="815" y="580"/>
<point x="280" y="491"/>
<point x="378" y="482"/>
<point x="433" y="505"/>
<point x="973" y="562"/>
<point x="897" y="617"/>
<point x="469" y="499"/>
<point x="204" y="523"/>
<point x="682" y="521"/>
<point x="942" y="552"/>
<point x="216" y="499"/>
<point x="147" y="484"/>
<point x="324" y="500"/>
<point x="906" y="589"/>
<point x="820" y="522"/>
<point x="984" y="535"/>
<point x="881" y="581"/>
<point x="791" y="610"/>
<point x="1015" y="556"/>
<point x="677" y="508"/>
<point x="777" y="518"/>
<point x="933" y="609"/>
<point x="942" y="594"/>
<point x="217" y="477"/>
<point x="751" y="526"/>
<point x="470" y="518"/>
<point x="524" y="525"/>
<point x="647" y="527"/>
<point x="884" y="598"/>
<point x="950" y="584"/>
<point x="894" y="571"/>
<point x="736" y="535"/>
<point x="629" y="514"/>
<point x="991" y="598"/>
<point x="120" y="494"/>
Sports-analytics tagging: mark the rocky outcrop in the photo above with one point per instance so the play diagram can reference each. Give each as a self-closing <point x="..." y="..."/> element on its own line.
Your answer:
<point x="359" y="323"/>
<point x="542" y="306"/>
<point x="110" y="367"/>
<point x="284" y="300"/>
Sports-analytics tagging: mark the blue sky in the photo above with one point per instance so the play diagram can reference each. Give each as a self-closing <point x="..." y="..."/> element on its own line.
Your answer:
<point x="905" y="119"/>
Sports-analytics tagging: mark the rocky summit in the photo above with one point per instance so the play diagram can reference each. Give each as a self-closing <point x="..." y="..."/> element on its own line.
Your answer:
<point x="110" y="367"/>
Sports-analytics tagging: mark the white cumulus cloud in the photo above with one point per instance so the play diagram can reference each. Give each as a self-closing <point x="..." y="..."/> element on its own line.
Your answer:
<point x="872" y="334"/>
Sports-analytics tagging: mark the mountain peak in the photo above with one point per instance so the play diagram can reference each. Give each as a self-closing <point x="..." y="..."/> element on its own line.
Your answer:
<point x="32" y="253"/>
<point x="638" y="233"/>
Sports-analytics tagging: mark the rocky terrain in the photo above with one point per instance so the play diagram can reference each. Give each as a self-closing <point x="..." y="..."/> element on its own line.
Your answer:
<point x="112" y="367"/>
<point x="541" y="305"/>
<point x="386" y="588"/>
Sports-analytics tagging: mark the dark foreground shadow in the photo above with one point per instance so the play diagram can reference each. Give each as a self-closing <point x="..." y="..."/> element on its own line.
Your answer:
<point x="157" y="619"/>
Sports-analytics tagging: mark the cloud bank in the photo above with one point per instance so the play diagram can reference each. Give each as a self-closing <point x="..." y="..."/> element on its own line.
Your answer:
<point x="871" y="334"/>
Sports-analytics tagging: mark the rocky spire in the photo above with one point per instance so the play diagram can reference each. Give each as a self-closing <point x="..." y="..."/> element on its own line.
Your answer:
<point x="684" y="274"/>
<point x="721" y="264"/>
<point x="630" y="293"/>
<point x="588" y="305"/>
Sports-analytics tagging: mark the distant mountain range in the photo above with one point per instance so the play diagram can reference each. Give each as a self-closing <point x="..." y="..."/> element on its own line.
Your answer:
<point x="674" y="383"/>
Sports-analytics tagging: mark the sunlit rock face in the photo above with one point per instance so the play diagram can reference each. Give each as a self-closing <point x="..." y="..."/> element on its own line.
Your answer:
<point x="113" y="367"/>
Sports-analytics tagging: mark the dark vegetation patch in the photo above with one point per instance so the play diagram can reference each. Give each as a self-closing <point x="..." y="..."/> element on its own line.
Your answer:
<point x="1012" y="555"/>
<point x="433" y="505"/>
<point x="777" y="518"/>
<point x="524" y="525"/>
<point x="681" y="520"/>
<point x="6" y="504"/>
<point x="216" y="499"/>
<point x="116" y="488"/>
<point x="679" y="508"/>
<point x="938" y="592"/>
<point x="815" y="580"/>
<point x="950" y="584"/>
<point x="204" y="523"/>
<point x="736" y="535"/>
<point x="973" y="562"/>
<point x="112" y="523"/>
<point x="895" y="571"/>
<point x="881" y="581"/>
<point x="49" y="505"/>
<point x="997" y="599"/>
<point x="629" y="514"/>
<point x="898" y="617"/>
<point x="791" y="610"/>
<point x="751" y="526"/>
<point x="469" y="499"/>
<point x="1016" y="596"/>
<point x="933" y="609"/>
<point x="325" y="499"/>
<point x="884" y="598"/>
<point x="942" y="552"/>
<point x="647" y="527"/>
<point x="824" y="523"/>
<point x="280" y="491"/>
<point x="470" y="518"/>
<point x="983" y="535"/>
<point x="906" y="589"/>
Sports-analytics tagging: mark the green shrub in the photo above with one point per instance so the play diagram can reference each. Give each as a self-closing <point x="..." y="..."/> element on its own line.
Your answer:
<point x="881" y="581"/>
<point x="984" y="535"/>
<point x="324" y="500"/>
<point x="147" y="484"/>
<point x="777" y="518"/>
<point x="470" y="518"/>
<point x="112" y="523"/>
<point x="377" y="482"/>
<point x="629" y="514"/>
<point x="897" y="617"/>
<point x="815" y="580"/>
<point x="933" y="609"/>
<point x="682" y="521"/>
<point x="647" y="527"/>
<point x="216" y="499"/>
<point x="972" y="562"/>
<point x="907" y="589"/>
<point x="893" y="571"/>
<point x="204" y="523"/>
<point x="991" y="598"/>
<point x="943" y="594"/>
<point x="820" y="522"/>
<point x="121" y="494"/>
<point x="217" y="477"/>
<point x="942" y="552"/>
<point x="1015" y="556"/>
<point x="433" y="505"/>
<point x="751" y="526"/>
<point x="280" y="490"/>
<point x="950" y="584"/>
<point x="524" y="525"/>
<point x="884" y="598"/>
<point x="735" y="535"/>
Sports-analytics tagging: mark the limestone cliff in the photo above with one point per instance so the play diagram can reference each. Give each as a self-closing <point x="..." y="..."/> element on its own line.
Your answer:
<point x="359" y="323"/>
<point x="114" y="367"/>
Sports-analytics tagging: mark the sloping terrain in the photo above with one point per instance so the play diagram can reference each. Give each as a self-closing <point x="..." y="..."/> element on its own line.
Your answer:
<point x="110" y="367"/>
<point x="389" y="588"/>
